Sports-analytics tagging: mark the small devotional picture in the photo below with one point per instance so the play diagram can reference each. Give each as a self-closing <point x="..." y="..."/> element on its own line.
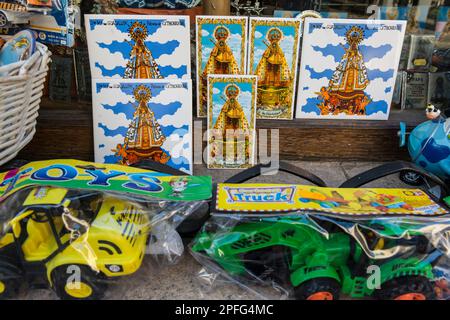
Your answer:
<point x="231" y="121"/>
<point x="139" y="47"/>
<point x="348" y="68"/>
<point x="273" y="57"/>
<point x="136" y="120"/>
<point x="221" y="49"/>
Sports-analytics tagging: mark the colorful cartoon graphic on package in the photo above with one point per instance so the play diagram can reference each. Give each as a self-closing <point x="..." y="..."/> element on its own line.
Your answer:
<point x="221" y="49"/>
<point x="273" y="198"/>
<point x="103" y="177"/>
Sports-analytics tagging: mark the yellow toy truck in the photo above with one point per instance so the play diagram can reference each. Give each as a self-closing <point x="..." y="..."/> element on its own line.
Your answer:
<point x="71" y="241"/>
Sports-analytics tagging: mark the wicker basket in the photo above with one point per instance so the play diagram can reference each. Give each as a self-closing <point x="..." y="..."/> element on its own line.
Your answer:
<point x="21" y="88"/>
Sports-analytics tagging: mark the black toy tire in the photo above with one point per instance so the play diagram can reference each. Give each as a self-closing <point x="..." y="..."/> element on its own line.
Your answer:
<point x="88" y="277"/>
<point x="11" y="288"/>
<point x="306" y="290"/>
<point x="401" y="286"/>
<point x="411" y="178"/>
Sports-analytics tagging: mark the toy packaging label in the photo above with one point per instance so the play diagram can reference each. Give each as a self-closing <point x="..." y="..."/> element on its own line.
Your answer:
<point x="136" y="120"/>
<point x="221" y="49"/>
<point x="348" y="68"/>
<point x="231" y="121"/>
<point x="276" y="198"/>
<point x="273" y="53"/>
<point x="58" y="26"/>
<point x="139" y="47"/>
<point x="107" y="177"/>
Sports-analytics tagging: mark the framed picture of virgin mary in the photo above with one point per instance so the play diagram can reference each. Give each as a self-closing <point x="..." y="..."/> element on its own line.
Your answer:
<point x="221" y="49"/>
<point x="273" y="58"/>
<point x="348" y="68"/>
<point x="231" y="121"/>
<point x="139" y="47"/>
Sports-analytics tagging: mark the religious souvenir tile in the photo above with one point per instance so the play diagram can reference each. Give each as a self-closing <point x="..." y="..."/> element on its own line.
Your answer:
<point x="143" y="119"/>
<point x="231" y="121"/>
<point x="60" y="81"/>
<point x="348" y="68"/>
<point x="221" y="49"/>
<point x="273" y="55"/>
<point x="443" y="27"/>
<point x="139" y="47"/>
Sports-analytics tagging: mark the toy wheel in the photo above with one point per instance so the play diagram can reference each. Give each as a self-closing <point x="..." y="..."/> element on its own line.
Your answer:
<point x="9" y="288"/>
<point x="318" y="289"/>
<point x="411" y="178"/>
<point x="407" y="288"/>
<point x="3" y="20"/>
<point x="91" y="285"/>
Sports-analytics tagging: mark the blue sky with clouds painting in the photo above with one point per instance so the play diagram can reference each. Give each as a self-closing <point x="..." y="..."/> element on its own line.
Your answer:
<point x="324" y="49"/>
<point x="110" y="45"/>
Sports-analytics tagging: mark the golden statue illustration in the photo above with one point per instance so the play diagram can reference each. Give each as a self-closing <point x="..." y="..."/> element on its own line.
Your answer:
<point x="231" y="131"/>
<point x="274" y="75"/>
<point x="144" y="137"/>
<point x="220" y="61"/>
<point x="345" y="92"/>
<point x="141" y="64"/>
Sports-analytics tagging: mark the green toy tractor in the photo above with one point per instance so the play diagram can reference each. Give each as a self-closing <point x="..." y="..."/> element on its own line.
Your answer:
<point x="317" y="267"/>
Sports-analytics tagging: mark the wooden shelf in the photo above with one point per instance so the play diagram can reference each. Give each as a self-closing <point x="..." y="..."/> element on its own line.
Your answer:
<point x="64" y="130"/>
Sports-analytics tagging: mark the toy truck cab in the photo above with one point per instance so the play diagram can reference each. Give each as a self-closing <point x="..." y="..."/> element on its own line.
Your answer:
<point x="58" y="233"/>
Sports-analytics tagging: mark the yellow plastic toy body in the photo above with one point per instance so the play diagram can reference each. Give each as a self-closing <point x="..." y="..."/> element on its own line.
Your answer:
<point x="108" y="235"/>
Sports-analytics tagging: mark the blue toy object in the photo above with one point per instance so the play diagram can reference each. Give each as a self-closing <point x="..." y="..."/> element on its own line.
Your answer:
<point x="428" y="146"/>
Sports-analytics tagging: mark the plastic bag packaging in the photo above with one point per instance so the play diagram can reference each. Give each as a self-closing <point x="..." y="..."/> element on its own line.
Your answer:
<point x="76" y="227"/>
<point x="303" y="242"/>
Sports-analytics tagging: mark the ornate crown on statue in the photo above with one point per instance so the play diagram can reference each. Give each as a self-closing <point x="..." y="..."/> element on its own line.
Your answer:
<point x="142" y="93"/>
<point x="138" y="31"/>
<point x="221" y="33"/>
<point x="232" y="91"/>
<point x="274" y="35"/>
<point x="355" y="35"/>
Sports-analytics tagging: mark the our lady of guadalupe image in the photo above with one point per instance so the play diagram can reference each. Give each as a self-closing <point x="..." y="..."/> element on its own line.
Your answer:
<point x="141" y="65"/>
<point x="345" y="91"/>
<point x="144" y="137"/>
<point x="274" y="74"/>
<point x="231" y="133"/>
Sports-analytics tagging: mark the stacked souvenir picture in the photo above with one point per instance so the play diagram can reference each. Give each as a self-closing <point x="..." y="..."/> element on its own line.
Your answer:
<point x="221" y="49"/>
<point x="273" y="56"/>
<point x="231" y="121"/>
<point x="348" y="68"/>
<point x="142" y="93"/>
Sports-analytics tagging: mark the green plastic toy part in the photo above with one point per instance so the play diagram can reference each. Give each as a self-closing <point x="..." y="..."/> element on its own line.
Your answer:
<point x="314" y="264"/>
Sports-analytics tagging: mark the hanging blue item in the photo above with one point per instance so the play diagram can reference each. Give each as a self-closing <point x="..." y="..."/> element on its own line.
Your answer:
<point x="428" y="146"/>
